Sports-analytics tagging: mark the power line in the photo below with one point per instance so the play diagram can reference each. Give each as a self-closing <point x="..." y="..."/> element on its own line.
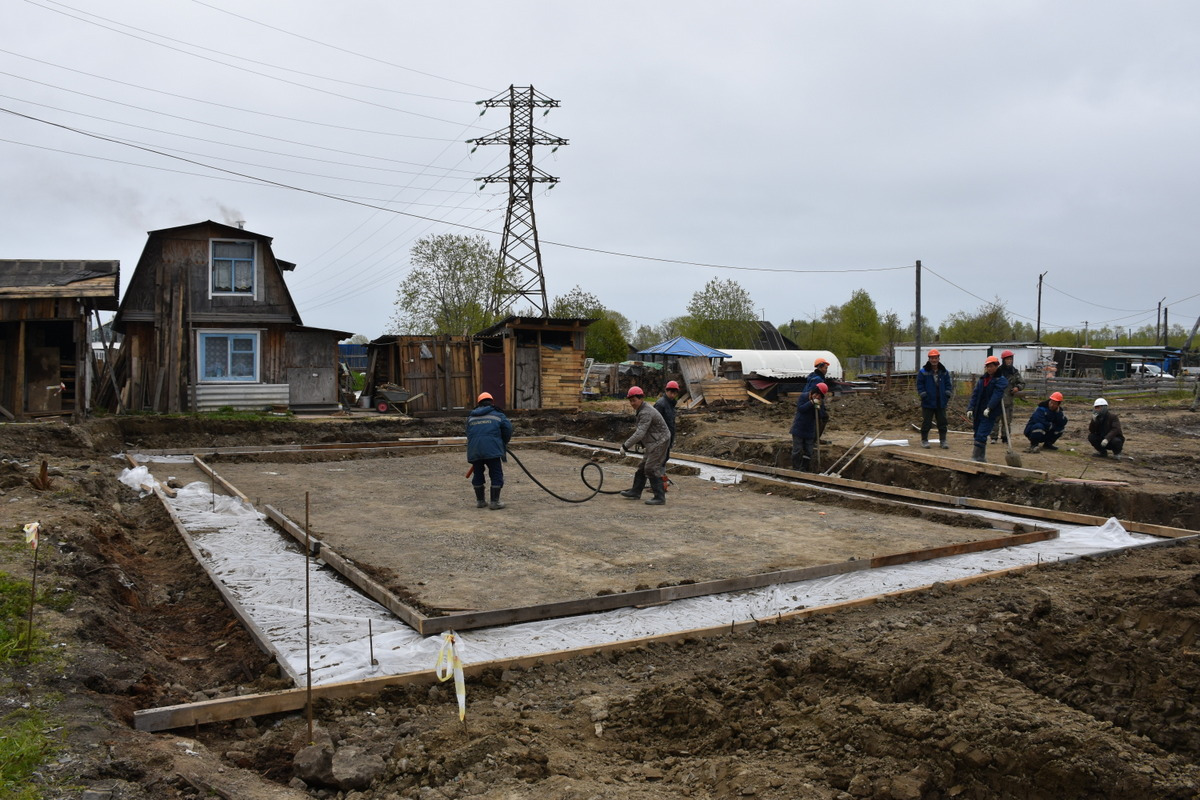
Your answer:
<point x="1087" y="302"/>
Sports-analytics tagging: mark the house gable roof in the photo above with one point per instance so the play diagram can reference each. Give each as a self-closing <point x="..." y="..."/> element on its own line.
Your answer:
<point x="40" y="278"/>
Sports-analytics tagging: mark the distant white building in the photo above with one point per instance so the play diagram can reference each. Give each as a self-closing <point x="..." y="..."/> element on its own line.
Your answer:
<point x="968" y="359"/>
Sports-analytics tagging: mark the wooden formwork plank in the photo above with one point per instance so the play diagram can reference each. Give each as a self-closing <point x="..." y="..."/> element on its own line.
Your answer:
<point x="917" y="494"/>
<point x="348" y="570"/>
<point x="217" y="479"/>
<point x="228" y="708"/>
<point x="966" y="465"/>
<point x="445" y="441"/>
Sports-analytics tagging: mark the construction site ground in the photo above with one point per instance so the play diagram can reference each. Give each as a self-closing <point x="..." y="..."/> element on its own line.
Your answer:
<point x="1074" y="680"/>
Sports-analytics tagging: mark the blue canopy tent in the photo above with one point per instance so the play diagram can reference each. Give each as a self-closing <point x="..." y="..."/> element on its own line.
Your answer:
<point x="681" y="346"/>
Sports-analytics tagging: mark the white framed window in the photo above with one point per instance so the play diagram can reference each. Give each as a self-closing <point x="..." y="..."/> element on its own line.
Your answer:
<point x="232" y="267"/>
<point x="228" y="356"/>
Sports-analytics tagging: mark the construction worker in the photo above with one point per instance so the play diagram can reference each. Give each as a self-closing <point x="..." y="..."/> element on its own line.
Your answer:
<point x="934" y="387"/>
<point x="665" y="406"/>
<point x="1047" y="424"/>
<point x="806" y="426"/>
<point x="652" y="433"/>
<point x="1015" y="384"/>
<point x="820" y="367"/>
<point x="488" y="434"/>
<point x="984" y="406"/>
<point x="1104" y="431"/>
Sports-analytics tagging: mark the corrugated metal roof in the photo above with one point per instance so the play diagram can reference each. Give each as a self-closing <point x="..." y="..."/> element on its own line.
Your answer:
<point x="682" y="346"/>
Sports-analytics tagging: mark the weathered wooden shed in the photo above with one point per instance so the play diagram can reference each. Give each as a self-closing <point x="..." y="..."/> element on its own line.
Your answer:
<point x="534" y="362"/>
<point x="44" y="314"/>
<point x="443" y="370"/>
<point x="209" y="323"/>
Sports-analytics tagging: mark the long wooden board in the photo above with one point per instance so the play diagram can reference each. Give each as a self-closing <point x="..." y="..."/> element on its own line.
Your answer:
<point x="445" y="441"/>
<point x="966" y="465"/>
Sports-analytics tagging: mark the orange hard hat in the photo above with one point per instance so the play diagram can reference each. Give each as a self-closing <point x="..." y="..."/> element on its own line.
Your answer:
<point x="635" y="391"/>
<point x="672" y="385"/>
<point x="1006" y="354"/>
<point x="934" y="353"/>
<point x="1057" y="396"/>
<point x="819" y="362"/>
<point x="483" y="396"/>
<point x="822" y="388"/>
<point x="991" y="360"/>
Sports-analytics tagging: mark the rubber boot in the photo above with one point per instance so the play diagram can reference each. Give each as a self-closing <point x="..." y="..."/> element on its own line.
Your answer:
<point x="978" y="453"/>
<point x="660" y="497"/>
<point x="495" y="505"/>
<point x="639" y="484"/>
<point x="925" y="443"/>
<point x="805" y="461"/>
<point x="479" y="501"/>
<point x="942" y="440"/>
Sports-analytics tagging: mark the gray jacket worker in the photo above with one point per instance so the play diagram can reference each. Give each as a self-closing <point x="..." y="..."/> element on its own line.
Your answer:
<point x="652" y="433"/>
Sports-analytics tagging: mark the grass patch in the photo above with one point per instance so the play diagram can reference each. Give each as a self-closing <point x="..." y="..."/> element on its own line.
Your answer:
<point x="14" y="619"/>
<point x="24" y="746"/>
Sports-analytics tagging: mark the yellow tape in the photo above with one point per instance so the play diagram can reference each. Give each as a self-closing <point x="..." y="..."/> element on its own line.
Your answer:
<point x="448" y="663"/>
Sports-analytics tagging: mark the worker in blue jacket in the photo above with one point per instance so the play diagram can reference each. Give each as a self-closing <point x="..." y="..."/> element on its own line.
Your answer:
<point x="1047" y="424"/>
<point x="488" y="434"/>
<point x="820" y="375"/>
<point x="984" y="408"/>
<point x="806" y="426"/>
<point x="934" y="387"/>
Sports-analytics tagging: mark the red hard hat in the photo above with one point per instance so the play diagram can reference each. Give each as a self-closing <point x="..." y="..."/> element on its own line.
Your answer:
<point x="1006" y="354"/>
<point x="635" y="391"/>
<point x="991" y="360"/>
<point x="483" y="396"/>
<point x="934" y="353"/>
<point x="819" y="362"/>
<point x="1057" y="396"/>
<point x="672" y="385"/>
<point x="822" y="388"/>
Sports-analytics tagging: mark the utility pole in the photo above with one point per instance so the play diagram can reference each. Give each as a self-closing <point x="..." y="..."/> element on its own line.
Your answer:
<point x="1158" y="323"/>
<point x="1085" y="333"/>
<point x="1038" y="336"/>
<point x="1166" y="327"/>
<point x="519" y="245"/>
<point x="917" y="323"/>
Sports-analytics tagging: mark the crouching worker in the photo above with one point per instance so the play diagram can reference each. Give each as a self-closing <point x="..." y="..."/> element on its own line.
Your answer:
<point x="806" y="426"/>
<point x="488" y="433"/>
<point x="1104" y="431"/>
<point x="1046" y="424"/>
<point x="652" y="433"/>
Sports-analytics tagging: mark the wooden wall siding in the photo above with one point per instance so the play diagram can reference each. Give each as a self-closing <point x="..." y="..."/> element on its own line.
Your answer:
<point x="312" y="367"/>
<point x="527" y="375"/>
<point x="449" y="378"/>
<point x="562" y="377"/>
<point x="42" y="308"/>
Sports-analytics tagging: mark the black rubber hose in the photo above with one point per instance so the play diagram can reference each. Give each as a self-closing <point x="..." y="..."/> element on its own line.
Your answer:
<point x="582" y="476"/>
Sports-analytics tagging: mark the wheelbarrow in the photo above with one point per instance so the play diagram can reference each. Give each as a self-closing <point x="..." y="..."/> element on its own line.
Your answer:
<point x="391" y="399"/>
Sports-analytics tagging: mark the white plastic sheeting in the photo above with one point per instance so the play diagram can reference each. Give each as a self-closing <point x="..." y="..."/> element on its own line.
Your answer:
<point x="265" y="570"/>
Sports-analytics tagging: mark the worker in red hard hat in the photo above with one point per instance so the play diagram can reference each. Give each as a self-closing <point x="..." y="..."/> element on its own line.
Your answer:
<point x="934" y="387"/>
<point x="665" y="405"/>
<point x="1047" y="424"/>
<point x="820" y="374"/>
<point x="488" y="434"/>
<point x="806" y="426"/>
<point x="1015" y="384"/>
<point x="983" y="410"/>
<point x="652" y="433"/>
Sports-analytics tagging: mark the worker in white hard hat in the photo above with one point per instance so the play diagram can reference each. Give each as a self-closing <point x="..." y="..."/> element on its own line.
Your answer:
<point x="653" y="435"/>
<point x="1104" y="431"/>
<point x="488" y="433"/>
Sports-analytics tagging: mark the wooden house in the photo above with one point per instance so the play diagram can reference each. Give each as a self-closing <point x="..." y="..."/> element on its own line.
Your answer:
<point x="44" y="349"/>
<point x="534" y="362"/>
<point x="441" y="372"/>
<point x="209" y="323"/>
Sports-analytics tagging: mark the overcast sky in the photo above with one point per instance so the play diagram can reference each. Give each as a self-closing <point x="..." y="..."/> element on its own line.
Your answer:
<point x="816" y="147"/>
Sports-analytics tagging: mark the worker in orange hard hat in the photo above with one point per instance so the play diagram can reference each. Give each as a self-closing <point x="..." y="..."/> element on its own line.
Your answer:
<point x="934" y="387"/>
<point x="665" y="406"/>
<point x="653" y="435"/>
<point x="1047" y="424"/>
<point x="1015" y="385"/>
<point x="983" y="410"/>
<point x="820" y="374"/>
<point x="488" y="434"/>
<point x="806" y="426"/>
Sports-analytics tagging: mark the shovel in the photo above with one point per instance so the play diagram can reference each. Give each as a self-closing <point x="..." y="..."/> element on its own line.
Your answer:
<point x="1010" y="458"/>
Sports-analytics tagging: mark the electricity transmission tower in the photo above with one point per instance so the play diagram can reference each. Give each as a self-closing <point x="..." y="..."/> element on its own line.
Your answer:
<point x="519" y="245"/>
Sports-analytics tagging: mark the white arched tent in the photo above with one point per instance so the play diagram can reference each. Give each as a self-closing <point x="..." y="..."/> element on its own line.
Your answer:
<point x="783" y="364"/>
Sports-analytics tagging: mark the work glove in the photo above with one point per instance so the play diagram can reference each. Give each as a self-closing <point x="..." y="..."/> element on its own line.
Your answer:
<point x="623" y="451"/>
<point x="1104" y="442"/>
<point x="923" y="395"/>
<point x="970" y="416"/>
<point x="987" y="412"/>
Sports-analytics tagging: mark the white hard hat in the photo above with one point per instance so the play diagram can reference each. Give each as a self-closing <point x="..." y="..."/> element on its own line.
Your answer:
<point x="1100" y="401"/>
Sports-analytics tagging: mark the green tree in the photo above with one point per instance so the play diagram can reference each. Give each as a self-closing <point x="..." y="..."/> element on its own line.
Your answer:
<point x="721" y="315"/>
<point x="605" y="342"/>
<point x="607" y="336"/>
<point x="576" y="304"/>
<point x="453" y="282"/>
<point x="858" y="329"/>
<point x="989" y="324"/>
